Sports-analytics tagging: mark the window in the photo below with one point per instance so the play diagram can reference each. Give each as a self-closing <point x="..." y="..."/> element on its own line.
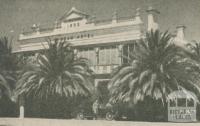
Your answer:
<point x="92" y="56"/>
<point x="126" y="52"/>
<point x="108" y="55"/>
<point x="64" y="38"/>
<point x="102" y="56"/>
<point x="74" y="24"/>
<point x="77" y="24"/>
<point x="88" y="53"/>
<point x="70" y="25"/>
<point x="172" y="103"/>
<point x="114" y="55"/>
<point x="61" y="39"/>
<point x="79" y="54"/>
<point x="56" y="39"/>
<point x="181" y="102"/>
<point x="190" y="103"/>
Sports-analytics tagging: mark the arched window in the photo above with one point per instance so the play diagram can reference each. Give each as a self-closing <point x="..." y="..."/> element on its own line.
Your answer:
<point x="172" y="103"/>
<point x="181" y="102"/>
<point x="190" y="102"/>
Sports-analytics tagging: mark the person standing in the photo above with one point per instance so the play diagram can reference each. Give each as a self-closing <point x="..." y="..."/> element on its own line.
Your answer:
<point x="95" y="108"/>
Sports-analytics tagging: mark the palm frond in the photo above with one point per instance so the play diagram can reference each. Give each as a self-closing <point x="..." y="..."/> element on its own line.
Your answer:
<point x="157" y="68"/>
<point x="57" y="72"/>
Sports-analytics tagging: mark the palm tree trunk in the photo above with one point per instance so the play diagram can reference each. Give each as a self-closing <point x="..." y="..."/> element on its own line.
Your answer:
<point x="165" y="105"/>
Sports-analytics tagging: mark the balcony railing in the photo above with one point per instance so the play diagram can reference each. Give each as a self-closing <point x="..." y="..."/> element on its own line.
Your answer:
<point x="103" y="69"/>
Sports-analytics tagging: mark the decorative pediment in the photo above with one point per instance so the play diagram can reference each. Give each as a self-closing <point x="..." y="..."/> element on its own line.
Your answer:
<point x="73" y="14"/>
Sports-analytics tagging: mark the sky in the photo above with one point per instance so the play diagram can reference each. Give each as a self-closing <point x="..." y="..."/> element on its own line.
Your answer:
<point x="19" y="15"/>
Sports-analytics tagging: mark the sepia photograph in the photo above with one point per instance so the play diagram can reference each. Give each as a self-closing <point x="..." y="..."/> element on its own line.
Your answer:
<point x="99" y="62"/>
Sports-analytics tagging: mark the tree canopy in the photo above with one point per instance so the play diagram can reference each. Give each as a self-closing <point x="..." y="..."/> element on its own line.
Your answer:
<point x="56" y="71"/>
<point x="156" y="68"/>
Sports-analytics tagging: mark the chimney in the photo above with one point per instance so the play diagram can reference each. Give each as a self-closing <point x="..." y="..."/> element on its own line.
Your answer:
<point x="180" y="32"/>
<point x="137" y="16"/>
<point x="93" y="18"/>
<point x="56" y="24"/>
<point x="114" y="17"/>
<point x="36" y="28"/>
<point x="152" y="14"/>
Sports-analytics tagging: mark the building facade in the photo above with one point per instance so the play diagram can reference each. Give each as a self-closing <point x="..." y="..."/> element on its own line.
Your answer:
<point x="104" y="43"/>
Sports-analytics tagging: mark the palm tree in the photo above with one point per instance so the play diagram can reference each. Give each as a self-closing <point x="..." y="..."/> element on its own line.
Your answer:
<point x="156" y="68"/>
<point x="57" y="72"/>
<point x="193" y="52"/>
<point x="5" y="88"/>
<point x="7" y="68"/>
<point x="7" y="78"/>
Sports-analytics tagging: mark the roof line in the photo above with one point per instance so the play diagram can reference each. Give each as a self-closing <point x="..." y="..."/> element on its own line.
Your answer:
<point x="73" y="9"/>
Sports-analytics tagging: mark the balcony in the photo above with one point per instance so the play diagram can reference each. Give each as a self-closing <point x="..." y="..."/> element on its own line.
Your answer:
<point x="103" y="69"/>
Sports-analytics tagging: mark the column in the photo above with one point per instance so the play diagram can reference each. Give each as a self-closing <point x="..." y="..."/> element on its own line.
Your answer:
<point x="96" y="84"/>
<point x="97" y="55"/>
<point x="75" y="53"/>
<point x="120" y="53"/>
<point x="96" y="81"/>
<point x="96" y="59"/>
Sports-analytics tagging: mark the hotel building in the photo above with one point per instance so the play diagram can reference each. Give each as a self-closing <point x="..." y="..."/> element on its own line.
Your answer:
<point x="104" y="42"/>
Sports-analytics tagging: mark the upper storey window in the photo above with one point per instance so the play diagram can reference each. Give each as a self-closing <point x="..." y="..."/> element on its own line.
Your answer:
<point x="75" y="36"/>
<point x="72" y="25"/>
<point x="108" y="55"/>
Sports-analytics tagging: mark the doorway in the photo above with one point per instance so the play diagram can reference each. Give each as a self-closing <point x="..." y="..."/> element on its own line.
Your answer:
<point x="103" y="92"/>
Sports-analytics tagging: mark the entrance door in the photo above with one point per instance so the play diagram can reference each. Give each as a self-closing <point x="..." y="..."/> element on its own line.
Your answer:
<point x="103" y="92"/>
